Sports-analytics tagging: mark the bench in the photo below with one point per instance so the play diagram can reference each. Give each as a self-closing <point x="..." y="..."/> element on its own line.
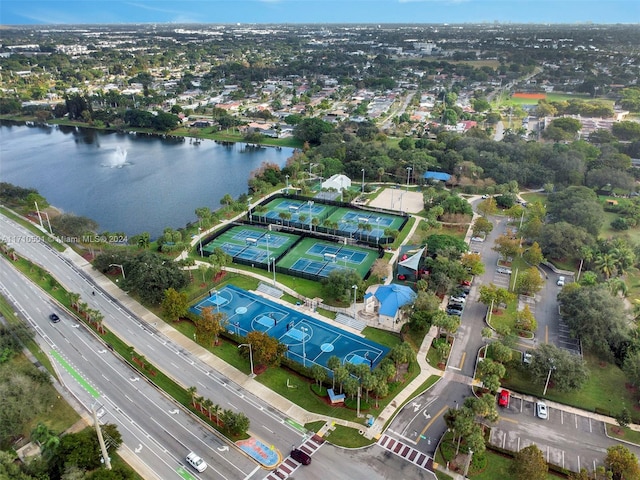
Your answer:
<point x="335" y="398"/>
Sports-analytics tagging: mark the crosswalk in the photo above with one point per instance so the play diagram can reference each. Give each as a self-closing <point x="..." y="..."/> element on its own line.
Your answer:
<point x="289" y="465"/>
<point x="410" y="454"/>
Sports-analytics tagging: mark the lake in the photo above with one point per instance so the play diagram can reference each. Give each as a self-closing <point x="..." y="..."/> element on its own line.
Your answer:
<point x="128" y="183"/>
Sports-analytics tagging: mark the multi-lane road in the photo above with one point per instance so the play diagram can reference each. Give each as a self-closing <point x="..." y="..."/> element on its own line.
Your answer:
<point x="157" y="434"/>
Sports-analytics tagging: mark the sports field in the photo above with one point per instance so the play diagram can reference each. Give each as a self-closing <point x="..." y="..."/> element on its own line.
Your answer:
<point x="289" y="211"/>
<point x="319" y="258"/>
<point x="309" y="341"/>
<point x="363" y="225"/>
<point x="251" y="243"/>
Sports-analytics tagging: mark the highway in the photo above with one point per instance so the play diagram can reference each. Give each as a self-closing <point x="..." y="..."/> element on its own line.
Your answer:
<point x="145" y="436"/>
<point x="267" y="423"/>
<point x="154" y="429"/>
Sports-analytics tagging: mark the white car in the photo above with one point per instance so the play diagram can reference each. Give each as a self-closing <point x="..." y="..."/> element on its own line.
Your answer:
<point x="541" y="410"/>
<point x="459" y="299"/>
<point x="196" y="462"/>
<point x="504" y="270"/>
<point x="560" y="281"/>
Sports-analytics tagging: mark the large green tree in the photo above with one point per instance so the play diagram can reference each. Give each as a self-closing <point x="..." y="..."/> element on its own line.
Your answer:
<point x="595" y="317"/>
<point x="529" y="464"/>
<point x="568" y="372"/>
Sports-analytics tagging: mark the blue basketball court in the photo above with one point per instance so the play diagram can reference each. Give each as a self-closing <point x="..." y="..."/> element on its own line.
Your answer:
<point x="309" y="341"/>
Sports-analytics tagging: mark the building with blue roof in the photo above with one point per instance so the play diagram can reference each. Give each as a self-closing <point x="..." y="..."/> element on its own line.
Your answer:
<point x="440" y="176"/>
<point x="387" y="302"/>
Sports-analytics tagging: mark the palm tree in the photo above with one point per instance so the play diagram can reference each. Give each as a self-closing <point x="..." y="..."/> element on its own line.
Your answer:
<point x="74" y="298"/>
<point x="217" y="410"/>
<point x="605" y="263"/>
<point x="192" y="391"/>
<point x="208" y="404"/>
<point x="199" y="401"/>
<point x="617" y="286"/>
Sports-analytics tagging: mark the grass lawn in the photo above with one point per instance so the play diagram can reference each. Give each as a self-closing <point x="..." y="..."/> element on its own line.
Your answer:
<point x="314" y="426"/>
<point x="347" y="437"/>
<point x="535" y="197"/>
<point x="604" y="392"/>
<point x="625" y="434"/>
<point x="383" y="337"/>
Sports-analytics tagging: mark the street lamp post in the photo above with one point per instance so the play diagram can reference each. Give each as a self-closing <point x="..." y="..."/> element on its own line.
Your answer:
<point x="215" y="292"/>
<point x="250" y="212"/>
<point x="200" y="236"/>
<point x="408" y="173"/>
<point x="250" y="357"/>
<point x="273" y="267"/>
<point x="310" y="215"/>
<point x="267" y="236"/>
<point x="355" y="297"/>
<point x="304" y="352"/>
<point x="468" y="464"/>
<point x="121" y="269"/>
<point x="363" y="181"/>
<point x="546" y="385"/>
<point x="287" y="177"/>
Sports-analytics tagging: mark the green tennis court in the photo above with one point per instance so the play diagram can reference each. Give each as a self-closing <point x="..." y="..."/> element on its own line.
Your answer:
<point x="252" y="244"/>
<point x="317" y="258"/>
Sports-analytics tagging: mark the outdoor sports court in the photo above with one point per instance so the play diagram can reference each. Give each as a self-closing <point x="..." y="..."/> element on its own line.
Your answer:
<point x="296" y="211"/>
<point x="251" y="243"/>
<point x="309" y="341"/>
<point x="319" y="258"/>
<point x="367" y="224"/>
<point x="364" y="225"/>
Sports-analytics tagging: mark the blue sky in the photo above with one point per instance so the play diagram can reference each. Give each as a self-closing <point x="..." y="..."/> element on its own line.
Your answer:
<point x="14" y="12"/>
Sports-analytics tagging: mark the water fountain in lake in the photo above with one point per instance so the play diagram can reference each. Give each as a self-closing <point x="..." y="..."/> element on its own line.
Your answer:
<point x="118" y="158"/>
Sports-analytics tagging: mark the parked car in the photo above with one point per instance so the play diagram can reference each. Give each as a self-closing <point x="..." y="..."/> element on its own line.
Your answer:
<point x="456" y="305"/>
<point x="453" y="311"/>
<point x="54" y="318"/>
<point x="505" y="270"/>
<point x="466" y="283"/>
<point x="196" y="462"/>
<point x="300" y="456"/>
<point x="541" y="410"/>
<point x="560" y="281"/>
<point x="503" y="398"/>
<point x="477" y="239"/>
<point x="458" y="299"/>
<point x="465" y="288"/>
<point x="527" y="358"/>
<point x="485" y="196"/>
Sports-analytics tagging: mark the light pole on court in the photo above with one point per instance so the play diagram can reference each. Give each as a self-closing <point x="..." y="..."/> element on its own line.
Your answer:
<point x="363" y="181"/>
<point x="273" y="267"/>
<point x="304" y="352"/>
<point x="250" y="357"/>
<point x="310" y="215"/>
<point x="267" y="236"/>
<point x="287" y="177"/>
<point x="355" y="297"/>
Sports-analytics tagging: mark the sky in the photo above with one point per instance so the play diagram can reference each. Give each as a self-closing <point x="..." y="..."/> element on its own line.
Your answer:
<point x="52" y="12"/>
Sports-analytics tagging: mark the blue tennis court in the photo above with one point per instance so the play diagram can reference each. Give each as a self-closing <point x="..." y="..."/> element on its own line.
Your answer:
<point x="342" y="254"/>
<point x="366" y="217"/>
<point x="265" y="239"/>
<point x="309" y="341"/>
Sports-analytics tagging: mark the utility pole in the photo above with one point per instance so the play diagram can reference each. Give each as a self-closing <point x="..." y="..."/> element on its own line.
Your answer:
<point x="103" y="447"/>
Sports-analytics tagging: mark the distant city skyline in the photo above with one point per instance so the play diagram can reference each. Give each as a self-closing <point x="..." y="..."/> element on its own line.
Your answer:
<point x="52" y="12"/>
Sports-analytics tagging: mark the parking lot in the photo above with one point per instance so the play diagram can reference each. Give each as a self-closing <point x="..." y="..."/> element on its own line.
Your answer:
<point x="566" y="439"/>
